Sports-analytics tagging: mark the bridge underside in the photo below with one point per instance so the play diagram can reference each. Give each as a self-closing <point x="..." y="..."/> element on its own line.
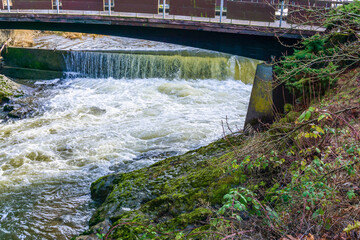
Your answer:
<point x="238" y="40"/>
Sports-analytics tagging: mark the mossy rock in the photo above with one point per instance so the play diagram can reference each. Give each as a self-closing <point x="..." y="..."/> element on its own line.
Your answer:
<point x="169" y="193"/>
<point x="9" y="89"/>
<point x="290" y="117"/>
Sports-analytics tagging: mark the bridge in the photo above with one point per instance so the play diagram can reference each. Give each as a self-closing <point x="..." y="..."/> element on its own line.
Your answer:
<point x="245" y="28"/>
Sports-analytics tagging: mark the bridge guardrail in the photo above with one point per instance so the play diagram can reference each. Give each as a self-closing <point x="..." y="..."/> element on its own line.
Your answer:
<point x="271" y="13"/>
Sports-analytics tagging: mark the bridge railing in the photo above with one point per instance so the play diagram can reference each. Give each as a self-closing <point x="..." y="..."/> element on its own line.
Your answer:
<point x="274" y="13"/>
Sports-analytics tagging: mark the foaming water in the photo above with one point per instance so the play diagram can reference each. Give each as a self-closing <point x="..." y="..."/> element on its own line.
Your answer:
<point x="91" y="127"/>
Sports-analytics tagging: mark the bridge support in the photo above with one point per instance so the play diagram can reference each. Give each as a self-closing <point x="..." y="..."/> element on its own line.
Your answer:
<point x="267" y="100"/>
<point x="260" y="108"/>
<point x="8" y="5"/>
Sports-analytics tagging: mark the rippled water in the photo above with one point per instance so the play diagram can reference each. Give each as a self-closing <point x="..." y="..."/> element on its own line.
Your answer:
<point x="90" y="127"/>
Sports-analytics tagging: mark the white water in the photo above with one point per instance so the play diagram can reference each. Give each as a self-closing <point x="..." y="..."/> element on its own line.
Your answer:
<point x="91" y="127"/>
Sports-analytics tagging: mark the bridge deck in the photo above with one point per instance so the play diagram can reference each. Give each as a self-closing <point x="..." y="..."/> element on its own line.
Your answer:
<point x="157" y="21"/>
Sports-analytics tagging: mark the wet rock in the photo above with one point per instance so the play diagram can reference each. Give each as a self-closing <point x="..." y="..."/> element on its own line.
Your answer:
<point x="96" y="111"/>
<point x="4" y="99"/>
<point x="101" y="188"/>
<point x="99" y="229"/>
<point x="14" y="115"/>
<point x="20" y="112"/>
<point x="124" y="166"/>
<point x="8" y="108"/>
<point x="156" y="155"/>
<point x="9" y="89"/>
<point x="17" y="99"/>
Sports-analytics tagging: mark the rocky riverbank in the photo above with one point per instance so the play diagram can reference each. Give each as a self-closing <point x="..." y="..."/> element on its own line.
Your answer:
<point x="15" y="99"/>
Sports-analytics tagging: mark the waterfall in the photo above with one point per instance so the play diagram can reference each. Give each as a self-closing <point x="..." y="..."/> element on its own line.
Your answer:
<point x="142" y="65"/>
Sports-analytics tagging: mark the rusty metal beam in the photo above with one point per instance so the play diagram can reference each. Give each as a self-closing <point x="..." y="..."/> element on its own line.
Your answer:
<point x="31" y="4"/>
<point x="308" y="11"/>
<point x="86" y="5"/>
<point x="137" y="6"/>
<point x="250" y="11"/>
<point x="194" y="8"/>
<point x="311" y="3"/>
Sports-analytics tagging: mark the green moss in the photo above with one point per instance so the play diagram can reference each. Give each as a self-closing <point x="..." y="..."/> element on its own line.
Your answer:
<point x="187" y="219"/>
<point x="35" y="59"/>
<point x="169" y="192"/>
<point x="290" y="117"/>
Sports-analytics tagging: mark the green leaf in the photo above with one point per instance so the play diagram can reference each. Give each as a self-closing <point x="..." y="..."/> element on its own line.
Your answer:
<point x="100" y="235"/>
<point x="307" y="115"/>
<point x="351" y="150"/>
<point x="227" y="197"/>
<point x="243" y="199"/>
<point x="239" y="206"/>
<point x="320" y="130"/>
<point x="318" y="212"/>
<point x="321" y="117"/>
<point x="222" y="210"/>
<point x="352" y="227"/>
<point x="351" y="194"/>
<point x="302" y="116"/>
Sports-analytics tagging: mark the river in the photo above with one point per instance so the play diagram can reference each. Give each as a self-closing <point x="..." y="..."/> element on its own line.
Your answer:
<point x="103" y="118"/>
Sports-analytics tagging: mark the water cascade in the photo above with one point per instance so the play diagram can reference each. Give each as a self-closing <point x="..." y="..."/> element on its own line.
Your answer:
<point x="156" y="64"/>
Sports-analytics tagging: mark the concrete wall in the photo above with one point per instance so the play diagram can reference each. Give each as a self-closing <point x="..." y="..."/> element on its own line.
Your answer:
<point x="39" y="59"/>
<point x="27" y="63"/>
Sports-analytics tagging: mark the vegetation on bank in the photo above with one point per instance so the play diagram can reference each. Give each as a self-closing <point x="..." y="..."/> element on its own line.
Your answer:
<point x="299" y="179"/>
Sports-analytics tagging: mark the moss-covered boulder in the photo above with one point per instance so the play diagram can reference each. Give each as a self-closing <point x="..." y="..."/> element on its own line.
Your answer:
<point x="9" y="89"/>
<point x="16" y="100"/>
<point x="170" y="194"/>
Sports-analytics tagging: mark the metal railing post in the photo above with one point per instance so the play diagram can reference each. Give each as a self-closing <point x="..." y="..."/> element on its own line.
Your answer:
<point x="8" y="5"/>
<point x="57" y="6"/>
<point x="164" y="9"/>
<point x="282" y="12"/>
<point x="109" y="6"/>
<point x="221" y="9"/>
